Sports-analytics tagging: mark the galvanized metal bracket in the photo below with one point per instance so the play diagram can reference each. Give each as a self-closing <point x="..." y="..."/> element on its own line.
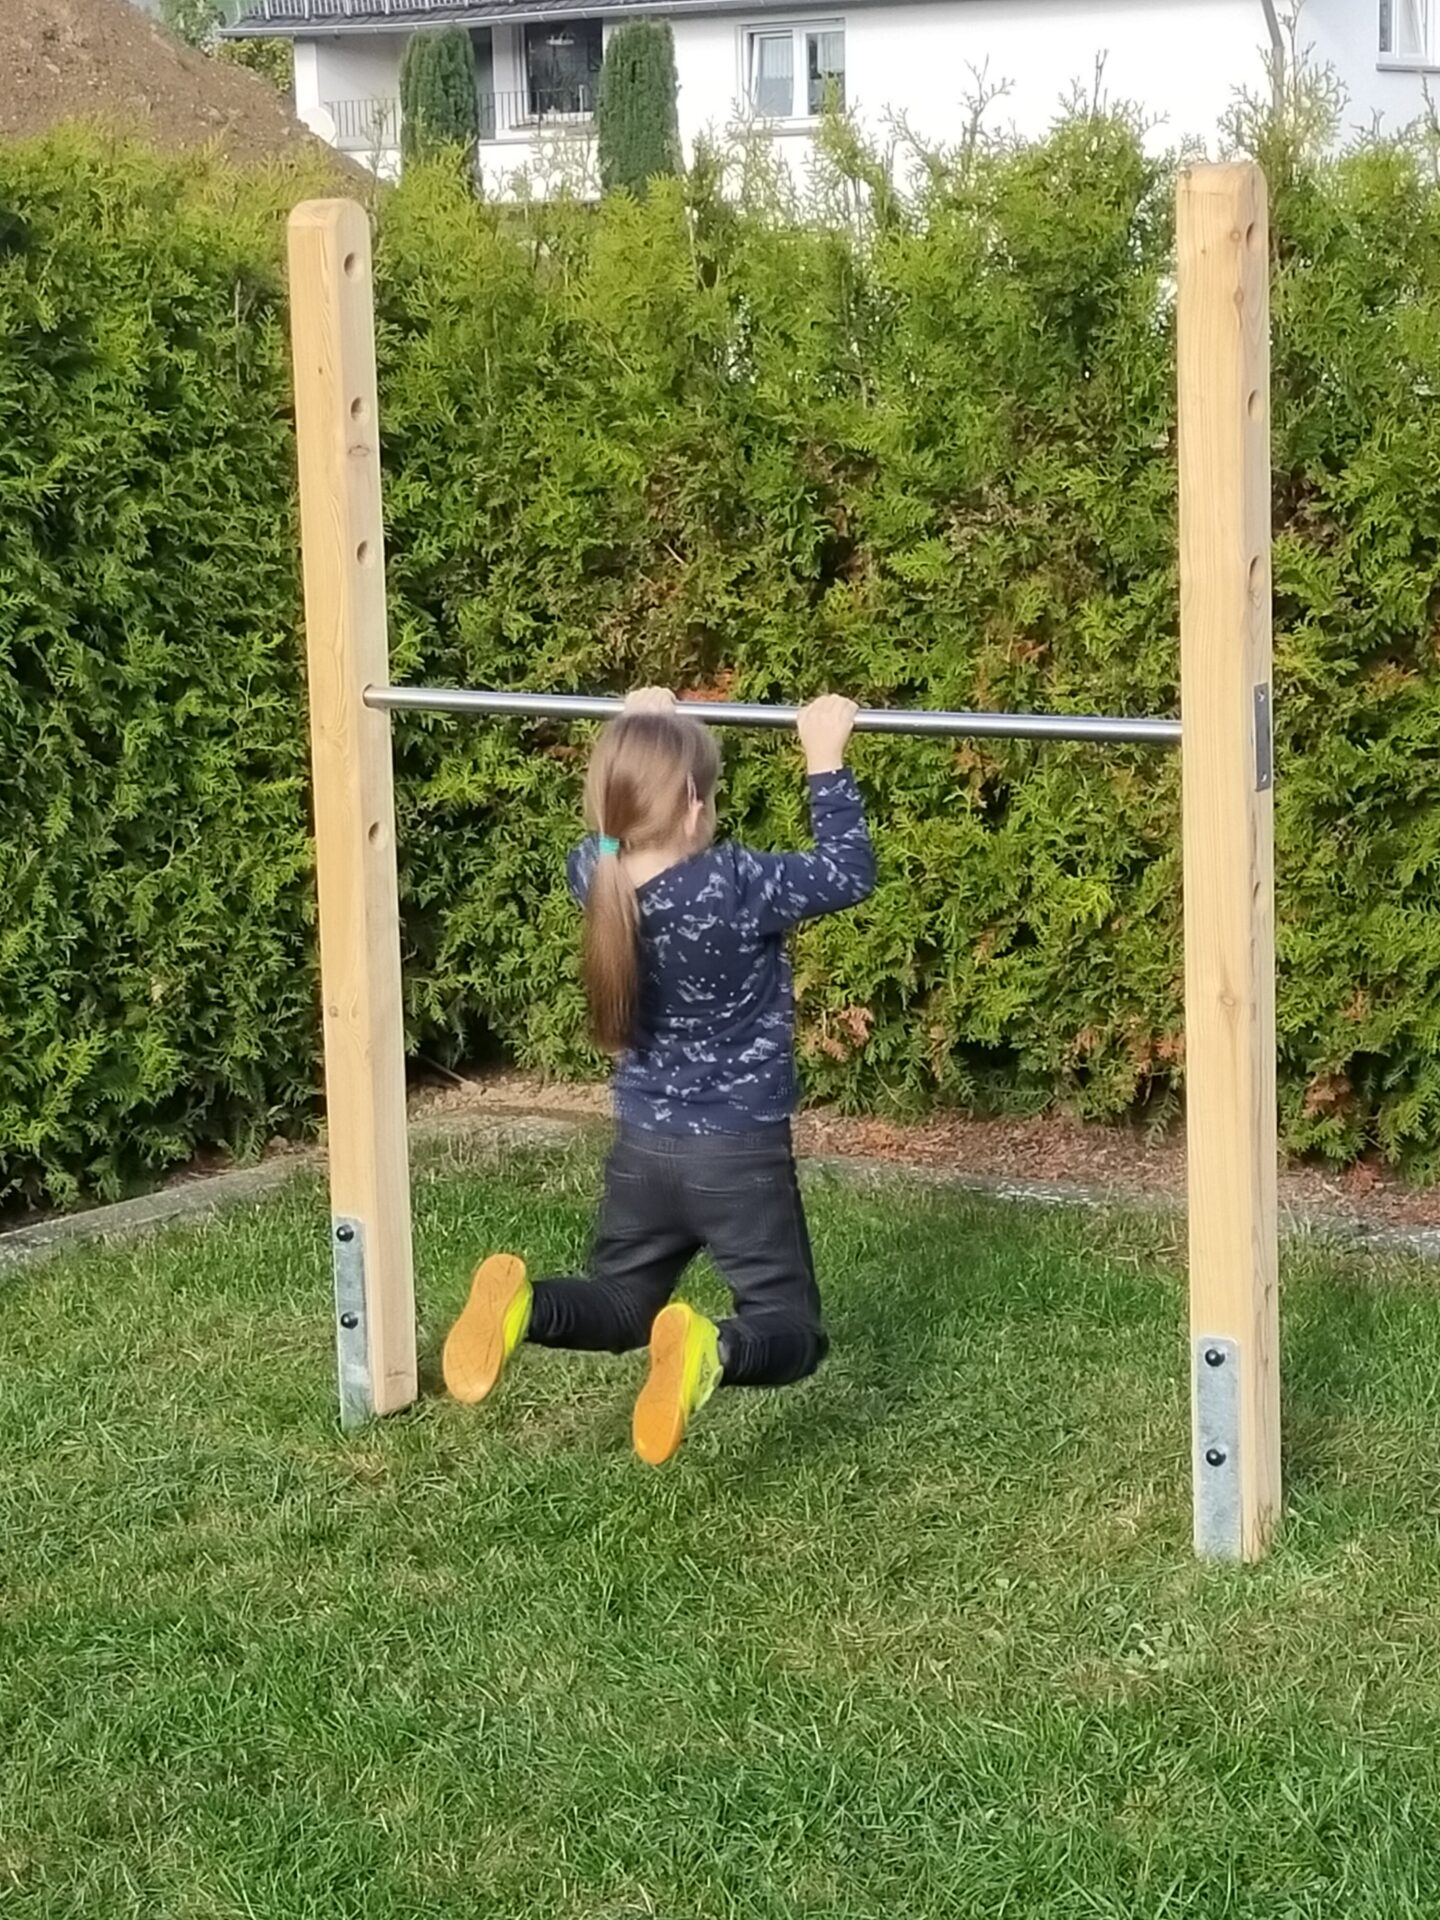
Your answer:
<point x="1216" y="1383"/>
<point x="352" y="1340"/>
<point x="1264" y="740"/>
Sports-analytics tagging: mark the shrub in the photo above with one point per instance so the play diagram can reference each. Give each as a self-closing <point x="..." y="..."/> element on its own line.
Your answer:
<point x="683" y="440"/>
<point x="636" y="124"/>
<point x="273" y="60"/>
<point x="155" y="985"/>
<point x="194" y="21"/>
<point x="439" y="111"/>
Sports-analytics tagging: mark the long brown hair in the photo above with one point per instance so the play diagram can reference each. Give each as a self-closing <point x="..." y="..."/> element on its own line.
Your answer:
<point x="647" y="771"/>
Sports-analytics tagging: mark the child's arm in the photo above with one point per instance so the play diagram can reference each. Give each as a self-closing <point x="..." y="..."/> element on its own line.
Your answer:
<point x="781" y="889"/>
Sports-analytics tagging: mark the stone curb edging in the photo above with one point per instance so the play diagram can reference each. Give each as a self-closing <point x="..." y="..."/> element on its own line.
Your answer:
<point x="207" y="1196"/>
<point x="196" y="1199"/>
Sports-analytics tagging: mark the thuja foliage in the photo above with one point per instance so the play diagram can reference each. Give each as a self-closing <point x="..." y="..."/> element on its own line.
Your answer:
<point x="439" y="110"/>
<point x="925" y="453"/>
<point x="154" y="874"/>
<point x="637" y="127"/>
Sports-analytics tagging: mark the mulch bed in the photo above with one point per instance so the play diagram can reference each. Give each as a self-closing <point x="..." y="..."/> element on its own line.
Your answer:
<point x="1049" y="1149"/>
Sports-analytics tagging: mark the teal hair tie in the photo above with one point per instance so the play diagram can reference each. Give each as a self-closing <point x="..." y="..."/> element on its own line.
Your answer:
<point x="608" y="844"/>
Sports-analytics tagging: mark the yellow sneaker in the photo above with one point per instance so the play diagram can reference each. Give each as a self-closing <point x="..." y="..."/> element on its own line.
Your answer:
<point x="684" y="1371"/>
<point x="494" y="1321"/>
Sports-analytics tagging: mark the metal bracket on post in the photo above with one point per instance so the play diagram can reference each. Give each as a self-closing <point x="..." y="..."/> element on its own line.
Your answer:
<point x="352" y="1342"/>
<point x="1216" y="1377"/>
<point x="1264" y="741"/>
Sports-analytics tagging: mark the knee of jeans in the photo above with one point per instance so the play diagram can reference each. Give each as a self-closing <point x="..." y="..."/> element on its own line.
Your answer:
<point x="815" y="1353"/>
<point x="744" y="1358"/>
<point x="632" y="1320"/>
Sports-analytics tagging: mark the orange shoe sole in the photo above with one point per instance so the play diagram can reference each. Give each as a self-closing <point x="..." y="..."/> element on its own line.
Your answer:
<point x="662" y="1407"/>
<point x="475" y="1352"/>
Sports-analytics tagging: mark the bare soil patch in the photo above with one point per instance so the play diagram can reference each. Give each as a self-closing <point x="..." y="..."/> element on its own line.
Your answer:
<point x="105" y="60"/>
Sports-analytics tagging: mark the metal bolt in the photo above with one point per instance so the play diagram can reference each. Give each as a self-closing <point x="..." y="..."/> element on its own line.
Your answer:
<point x="1214" y="1357"/>
<point x="349" y="1321"/>
<point x="1215" y="1457"/>
<point x="345" y="1234"/>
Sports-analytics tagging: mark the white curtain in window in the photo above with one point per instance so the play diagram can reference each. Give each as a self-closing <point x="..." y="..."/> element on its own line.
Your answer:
<point x="1412" y="29"/>
<point x="825" y="61"/>
<point x="772" y="74"/>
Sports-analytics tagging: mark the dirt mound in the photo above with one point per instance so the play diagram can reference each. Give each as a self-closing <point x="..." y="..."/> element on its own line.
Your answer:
<point x="89" y="59"/>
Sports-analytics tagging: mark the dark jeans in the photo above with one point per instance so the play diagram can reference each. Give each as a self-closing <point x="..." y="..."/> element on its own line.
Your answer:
<point x="667" y="1196"/>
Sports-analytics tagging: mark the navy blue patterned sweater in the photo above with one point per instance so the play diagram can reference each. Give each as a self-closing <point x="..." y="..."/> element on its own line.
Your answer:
<point x="715" y="1047"/>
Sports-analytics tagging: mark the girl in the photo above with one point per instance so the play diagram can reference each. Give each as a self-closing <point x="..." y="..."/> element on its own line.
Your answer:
<point x="688" y="982"/>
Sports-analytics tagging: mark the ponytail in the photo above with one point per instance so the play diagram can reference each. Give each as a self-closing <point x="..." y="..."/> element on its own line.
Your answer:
<point x="612" y="955"/>
<point x="647" y="771"/>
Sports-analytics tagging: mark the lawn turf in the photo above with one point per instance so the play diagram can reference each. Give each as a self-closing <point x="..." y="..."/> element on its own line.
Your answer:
<point x="922" y="1637"/>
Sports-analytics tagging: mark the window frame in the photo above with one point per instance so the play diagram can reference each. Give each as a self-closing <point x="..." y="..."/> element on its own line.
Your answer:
<point x="540" y="115"/>
<point x="801" y="31"/>
<point x="1422" y="59"/>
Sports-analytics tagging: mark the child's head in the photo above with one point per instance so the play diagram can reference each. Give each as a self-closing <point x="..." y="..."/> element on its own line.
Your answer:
<point x="651" y="787"/>
<point x="652" y="782"/>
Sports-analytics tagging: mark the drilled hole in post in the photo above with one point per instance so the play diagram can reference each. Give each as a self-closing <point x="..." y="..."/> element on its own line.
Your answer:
<point x="1255" y="406"/>
<point x="351" y="265"/>
<point x="1250" y="234"/>
<point x="373" y="833"/>
<point x="363" y="553"/>
<point x="357" y="409"/>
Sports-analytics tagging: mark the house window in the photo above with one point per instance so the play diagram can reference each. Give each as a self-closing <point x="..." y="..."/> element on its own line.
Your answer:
<point x="1407" y="29"/>
<point x="772" y="74"/>
<point x="562" y="67"/>
<point x="776" y="56"/>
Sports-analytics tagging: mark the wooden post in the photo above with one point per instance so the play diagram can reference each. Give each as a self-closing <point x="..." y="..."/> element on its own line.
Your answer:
<point x="336" y="414"/>
<point x="1224" y="411"/>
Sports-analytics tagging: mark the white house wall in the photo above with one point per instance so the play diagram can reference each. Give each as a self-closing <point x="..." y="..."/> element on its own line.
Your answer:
<point x="1390" y="93"/>
<point x="307" y="88"/>
<point x="1180" y="60"/>
<point x="347" y="88"/>
<point x="360" y="66"/>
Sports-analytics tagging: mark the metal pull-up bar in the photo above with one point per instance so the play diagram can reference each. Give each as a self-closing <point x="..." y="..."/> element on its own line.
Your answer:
<point x="1226" y="804"/>
<point x="741" y="713"/>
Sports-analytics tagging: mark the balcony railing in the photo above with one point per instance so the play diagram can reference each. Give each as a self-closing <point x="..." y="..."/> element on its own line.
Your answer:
<point x="373" y="126"/>
<point x="365" y="126"/>
<point x="531" y="109"/>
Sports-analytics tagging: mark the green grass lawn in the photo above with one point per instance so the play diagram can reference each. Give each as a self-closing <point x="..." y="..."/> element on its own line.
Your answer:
<point x="920" y="1638"/>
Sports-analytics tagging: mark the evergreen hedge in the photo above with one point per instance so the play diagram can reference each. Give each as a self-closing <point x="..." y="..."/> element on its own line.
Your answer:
<point x="686" y="440"/>
<point x="637" y="126"/>
<point x="439" y="108"/>
<point x="154" y="877"/>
